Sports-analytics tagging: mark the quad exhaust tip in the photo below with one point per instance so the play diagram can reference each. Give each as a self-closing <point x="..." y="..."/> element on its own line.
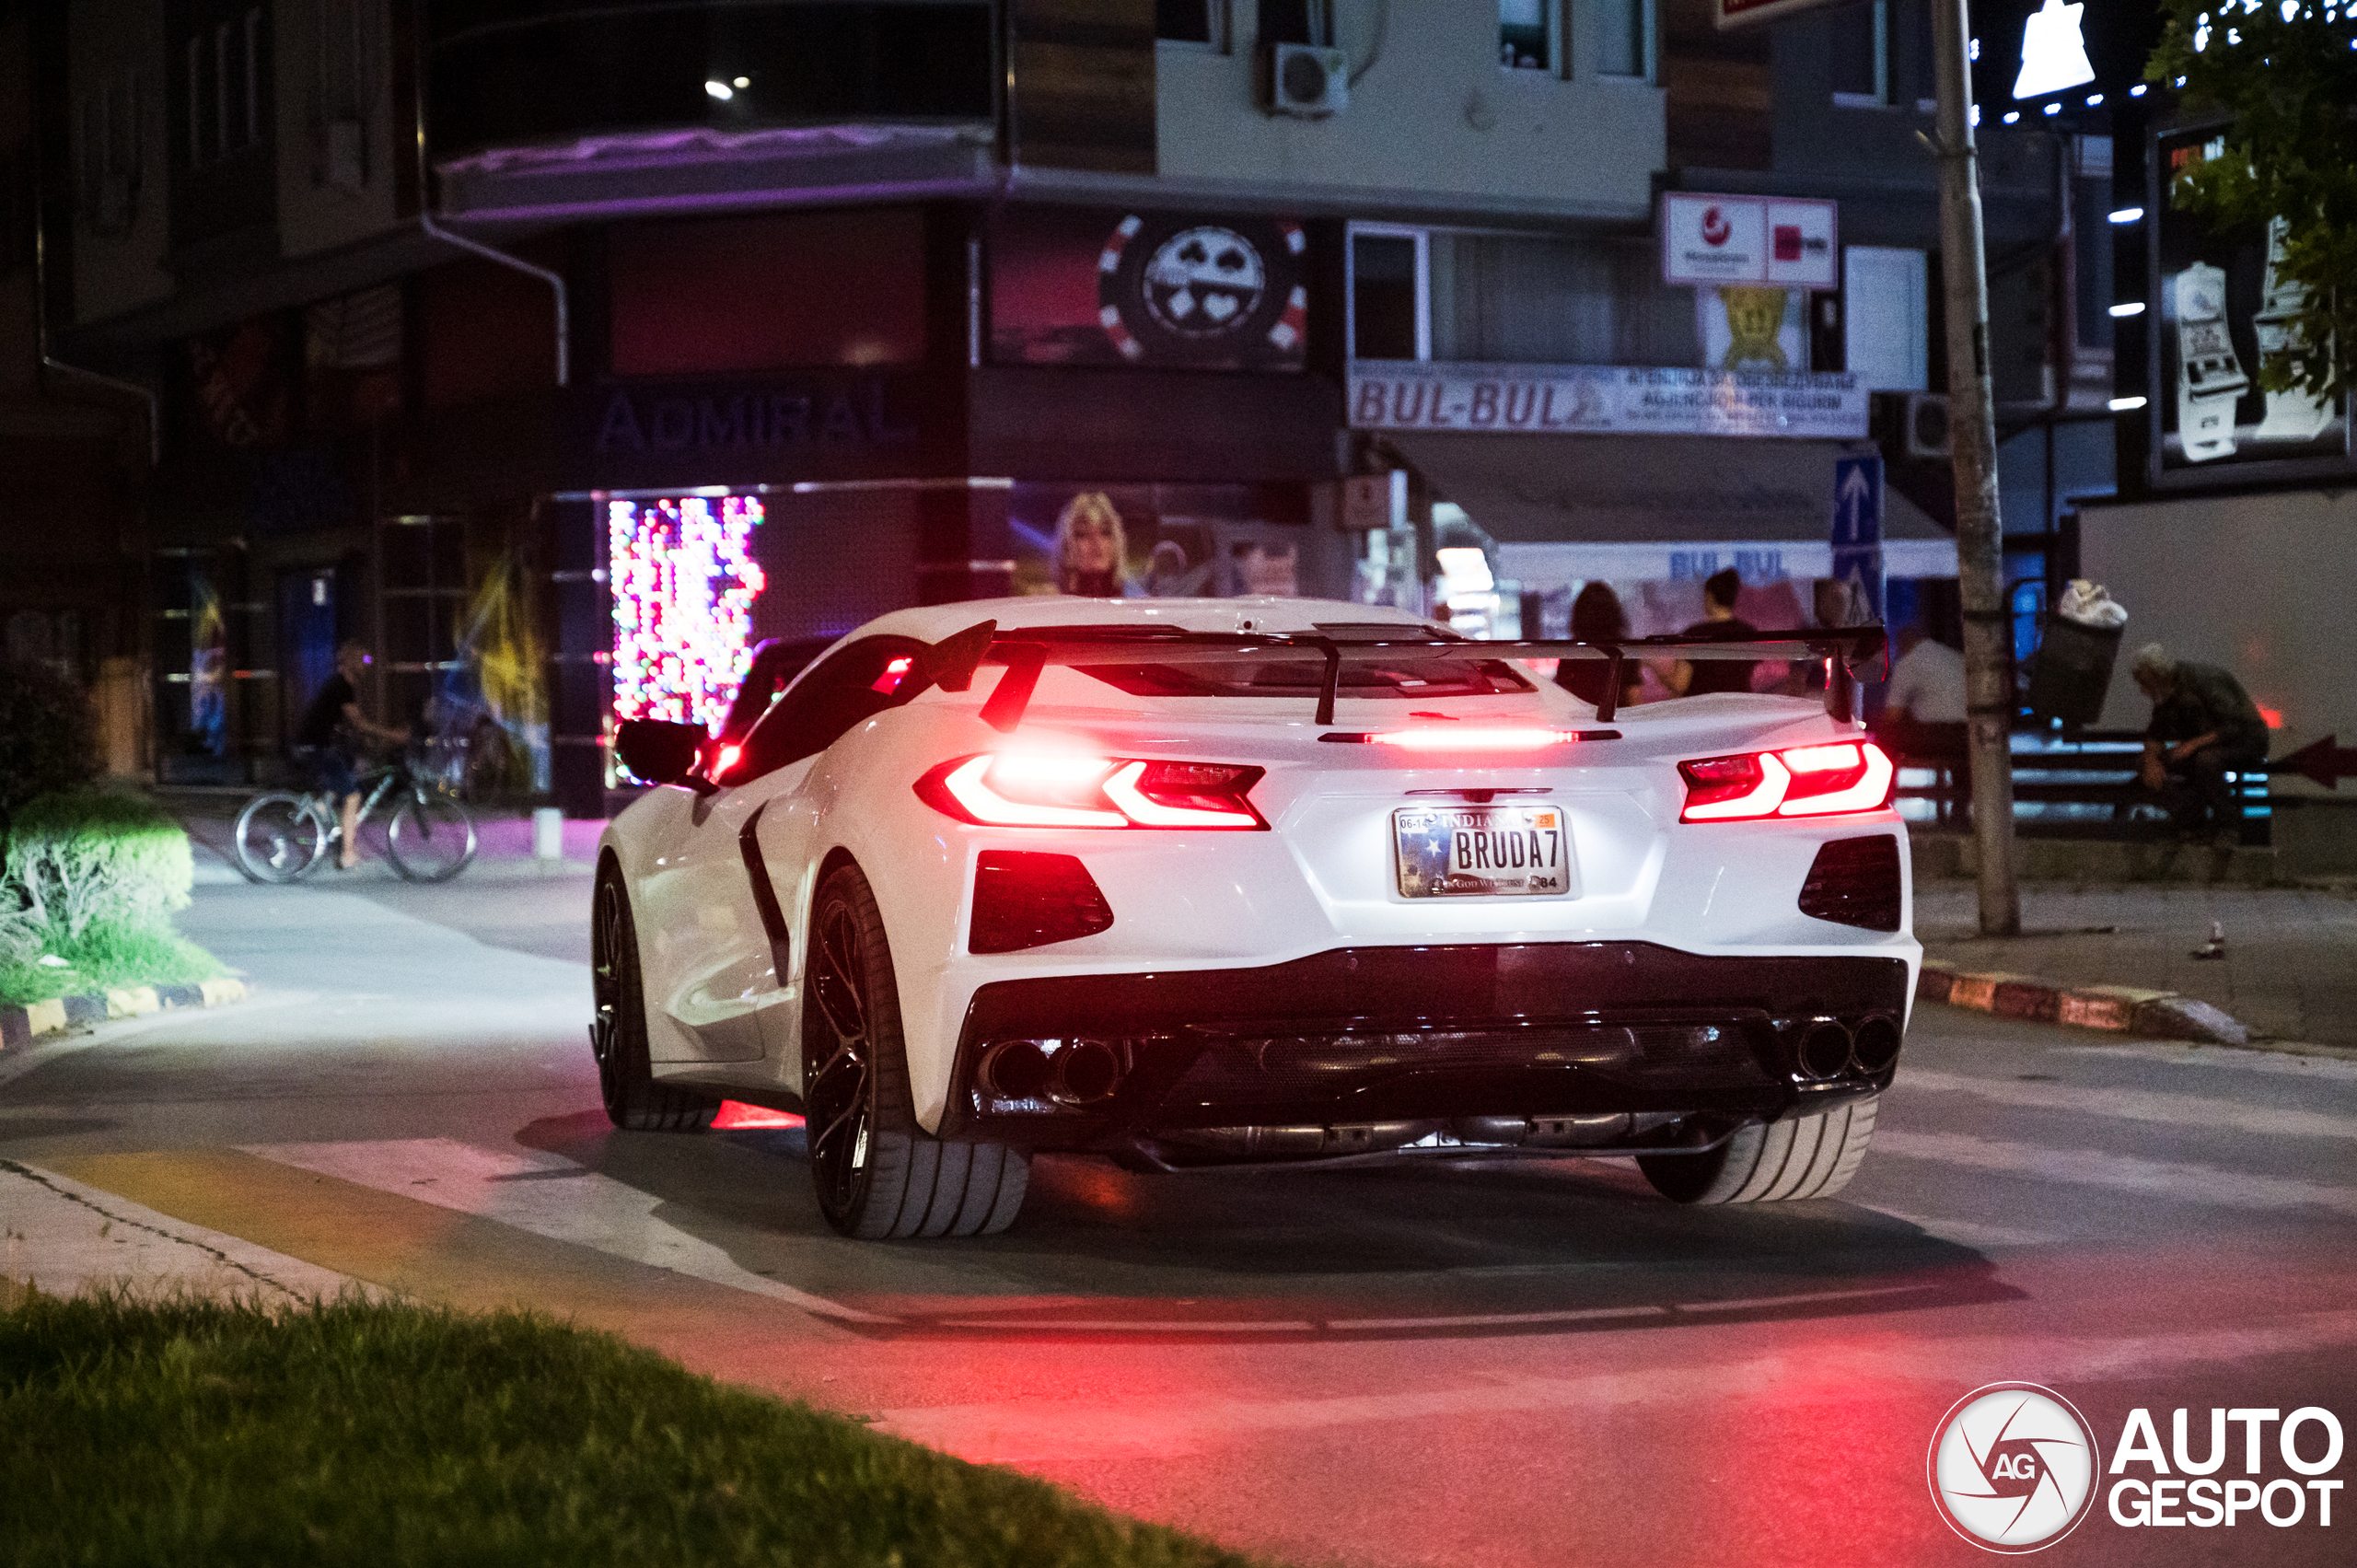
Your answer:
<point x="1876" y="1044"/>
<point x="1827" y="1048"/>
<point x="1824" y="1049"/>
<point x="1072" y="1073"/>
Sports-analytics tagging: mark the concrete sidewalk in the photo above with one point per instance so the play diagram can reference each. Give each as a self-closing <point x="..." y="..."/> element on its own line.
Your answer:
<point x="61" y="1237"/>
<point x="2289" y="972"/>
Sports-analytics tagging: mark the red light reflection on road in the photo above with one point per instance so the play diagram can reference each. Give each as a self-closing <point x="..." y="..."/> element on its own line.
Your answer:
<point x="736" y="1117"/>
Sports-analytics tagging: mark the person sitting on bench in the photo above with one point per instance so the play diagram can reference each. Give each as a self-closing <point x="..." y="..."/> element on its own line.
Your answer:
<point x="2204" y="727"/>
<point x="1922" y="718"/>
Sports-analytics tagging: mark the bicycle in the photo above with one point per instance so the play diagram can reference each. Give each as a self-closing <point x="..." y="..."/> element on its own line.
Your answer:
<point x="282" y="835"/>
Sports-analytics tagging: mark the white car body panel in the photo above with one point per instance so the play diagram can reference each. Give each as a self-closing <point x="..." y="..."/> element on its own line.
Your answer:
<point x="721" y="1016"/>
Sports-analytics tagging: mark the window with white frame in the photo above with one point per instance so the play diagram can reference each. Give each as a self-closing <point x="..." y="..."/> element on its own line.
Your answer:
<point x="1390" y="293"/>
<point x="225" y="56"/>
<point x="1858" y="55"/>
<point x="1296" y="21"/>
<point x="1878" y="58"/>
<point x="1527" y="35"/>
<point x="1624" y="39"/>
<point x="1491" y="297"/>
<point x="347" y="79"/>
<point x="109" y="126"/>
<point x="1202" y="23"/>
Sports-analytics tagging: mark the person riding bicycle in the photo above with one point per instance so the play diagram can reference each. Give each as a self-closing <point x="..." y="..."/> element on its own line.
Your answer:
<point x="325" y="742"/>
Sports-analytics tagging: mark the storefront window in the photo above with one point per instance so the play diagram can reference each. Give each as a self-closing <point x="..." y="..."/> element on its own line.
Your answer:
<point x="1167" y="542"/>
<point x="1389" y="294"/>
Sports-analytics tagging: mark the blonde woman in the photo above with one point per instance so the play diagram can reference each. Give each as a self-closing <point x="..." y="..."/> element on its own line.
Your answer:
<point x="1092" y="552"/>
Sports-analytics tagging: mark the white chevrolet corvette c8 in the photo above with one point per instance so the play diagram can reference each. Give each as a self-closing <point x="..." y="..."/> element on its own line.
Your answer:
<point x="1200" y="882"/>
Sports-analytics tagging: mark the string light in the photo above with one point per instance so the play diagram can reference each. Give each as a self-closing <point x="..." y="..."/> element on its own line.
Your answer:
<point x="684" y="581"/>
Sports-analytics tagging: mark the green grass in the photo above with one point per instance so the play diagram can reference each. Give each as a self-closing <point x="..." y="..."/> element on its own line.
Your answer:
<point x="188" y="1433"/>
<point x="107" y="957"/>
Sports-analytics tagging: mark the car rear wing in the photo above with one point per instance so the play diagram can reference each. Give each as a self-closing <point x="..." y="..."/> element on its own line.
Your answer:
<point x="1848" y="654"/>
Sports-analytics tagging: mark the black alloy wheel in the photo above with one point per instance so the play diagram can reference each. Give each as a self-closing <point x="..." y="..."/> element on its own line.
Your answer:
<point x="626" y="1082"/>
<point x="879" y="1173"/>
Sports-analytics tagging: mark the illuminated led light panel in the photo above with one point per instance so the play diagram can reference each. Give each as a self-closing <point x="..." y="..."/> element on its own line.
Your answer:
<point x="683" y="580"/>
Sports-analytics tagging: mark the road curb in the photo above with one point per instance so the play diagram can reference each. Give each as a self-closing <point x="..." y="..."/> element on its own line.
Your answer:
<point x="22" y="1023"/>
<point x="2123" y="1009"/>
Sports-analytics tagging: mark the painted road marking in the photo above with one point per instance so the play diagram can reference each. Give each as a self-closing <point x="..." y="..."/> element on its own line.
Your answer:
<point x="1811" y="1298"/>
<point x="1967" y="1233"/>
<point x="1126" y="1325"/>
<point x="2180" y="1182"/>
<point x="1201" y="1421"/>
<point x="2332" y="1069"/>
<point x="1500" y="1319"/>
<point x="581" y="1206"/>
<point x="2138" y="1105"/>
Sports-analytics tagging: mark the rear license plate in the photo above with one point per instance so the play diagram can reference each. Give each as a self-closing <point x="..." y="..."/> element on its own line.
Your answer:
<point x="1481" y="851"/>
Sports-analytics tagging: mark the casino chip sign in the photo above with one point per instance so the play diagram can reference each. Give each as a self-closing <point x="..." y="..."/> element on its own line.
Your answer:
<point x="1210" y="295"/>
<point x="1205" y="282"/>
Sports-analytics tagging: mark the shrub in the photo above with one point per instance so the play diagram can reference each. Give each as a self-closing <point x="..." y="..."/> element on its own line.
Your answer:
<point x="47" y="734"/>
<point x="93" y="879"/>
<point x="89" y="859"/>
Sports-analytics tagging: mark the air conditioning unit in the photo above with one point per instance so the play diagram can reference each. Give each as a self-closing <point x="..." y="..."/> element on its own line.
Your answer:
<point x="1912" y="424"/>
<point x="1307" y="81"/>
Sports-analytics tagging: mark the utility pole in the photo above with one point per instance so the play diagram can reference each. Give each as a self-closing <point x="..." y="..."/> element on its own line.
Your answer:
<point x="1980" y="536"/>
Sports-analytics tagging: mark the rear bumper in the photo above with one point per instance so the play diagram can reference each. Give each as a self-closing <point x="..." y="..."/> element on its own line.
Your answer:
<point x="1600" y="1045"/>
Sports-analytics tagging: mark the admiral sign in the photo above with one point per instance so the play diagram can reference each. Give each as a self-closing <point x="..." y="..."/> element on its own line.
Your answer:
<point x="1583" y="398"/>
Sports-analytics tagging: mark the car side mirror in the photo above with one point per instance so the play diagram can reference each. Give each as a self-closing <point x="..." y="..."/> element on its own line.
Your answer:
<point x="662" y="752"/>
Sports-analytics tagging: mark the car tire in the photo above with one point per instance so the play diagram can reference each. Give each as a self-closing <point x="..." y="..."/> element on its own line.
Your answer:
<point x="1806" y="1157"/>
<point x="879" y="1175"/>
<point x="635" y="1101"/>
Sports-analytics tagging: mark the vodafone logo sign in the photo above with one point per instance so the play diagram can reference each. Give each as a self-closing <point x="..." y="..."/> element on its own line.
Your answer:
<point x="1778" y="240"/>
<point x="2012" y="1468"/>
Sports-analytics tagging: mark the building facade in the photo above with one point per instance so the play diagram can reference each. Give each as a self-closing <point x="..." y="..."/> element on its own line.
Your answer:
<point x="558" y="351"/>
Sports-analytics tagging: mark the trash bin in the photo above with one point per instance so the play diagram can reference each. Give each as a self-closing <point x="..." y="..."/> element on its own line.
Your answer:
<point x="2073" y="670"/>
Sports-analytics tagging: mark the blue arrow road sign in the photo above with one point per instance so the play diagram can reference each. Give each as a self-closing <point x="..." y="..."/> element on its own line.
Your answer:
<point x="1857" y="529"/>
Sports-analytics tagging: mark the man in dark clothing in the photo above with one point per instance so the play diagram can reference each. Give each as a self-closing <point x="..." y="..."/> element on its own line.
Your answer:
<point x="1693" y="678"/>
<point x="2204" y="727"/>
<point x="324" y="742"/>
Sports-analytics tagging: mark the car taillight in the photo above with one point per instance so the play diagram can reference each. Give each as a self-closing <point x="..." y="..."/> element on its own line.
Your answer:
<point x="1016" y="789"/>
<point x="1807" y="781"/>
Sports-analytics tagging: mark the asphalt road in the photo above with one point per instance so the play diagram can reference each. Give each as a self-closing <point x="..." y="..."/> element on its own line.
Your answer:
<point x="1502" y="1363"/>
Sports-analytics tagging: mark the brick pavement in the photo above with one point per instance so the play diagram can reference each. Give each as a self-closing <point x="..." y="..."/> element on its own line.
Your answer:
<point x="2290" y="970"/>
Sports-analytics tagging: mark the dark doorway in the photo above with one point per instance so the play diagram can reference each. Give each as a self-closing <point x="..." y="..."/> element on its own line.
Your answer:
<point x="307" y="630"/>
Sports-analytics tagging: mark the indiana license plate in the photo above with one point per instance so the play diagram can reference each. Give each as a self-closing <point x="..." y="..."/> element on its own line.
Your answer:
<point x="1481" y="851"/>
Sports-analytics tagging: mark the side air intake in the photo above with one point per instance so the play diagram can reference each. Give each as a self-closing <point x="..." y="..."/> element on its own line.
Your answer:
<point x="1024" y="899"/>
<point x="1855" y="882"/>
